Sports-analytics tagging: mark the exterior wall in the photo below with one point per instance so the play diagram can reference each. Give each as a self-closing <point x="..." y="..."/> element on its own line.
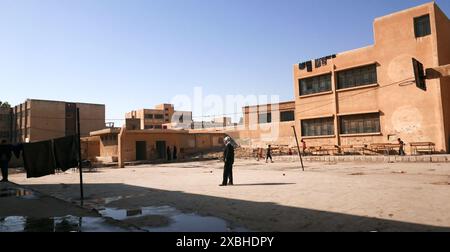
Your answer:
<point x="38" y="120"/>
<point x="90" y="148"/>
<point x="443" y="42"/>
<point x="5" y="124"/>
<point x="405" y="111"/>
<point x="185" y="142"/>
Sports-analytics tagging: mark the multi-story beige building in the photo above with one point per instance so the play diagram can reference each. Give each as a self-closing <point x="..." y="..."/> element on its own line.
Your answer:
<point x="5" y="124"/>
<point x="265" y="124"/>
<point x="37" y="120"/>
<point x="160" y="115"/>
<point x="368" y="95"/>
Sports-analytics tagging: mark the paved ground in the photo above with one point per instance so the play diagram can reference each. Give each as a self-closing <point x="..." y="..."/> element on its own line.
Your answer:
<point x="268" y="197"/>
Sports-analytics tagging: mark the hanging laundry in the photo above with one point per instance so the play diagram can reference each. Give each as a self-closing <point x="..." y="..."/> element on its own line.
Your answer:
<point x="38" y="159"/>
<point x="17" y="149"/>
<point x="318" y="63"/>
<point x="324" y="61"/>
<point x="302" y="66"/>
<point x="309" y="66"/>
<point x="66" y="152"/>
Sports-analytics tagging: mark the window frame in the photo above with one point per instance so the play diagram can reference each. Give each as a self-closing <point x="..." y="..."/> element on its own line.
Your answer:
<point x="324" y="126"/>
<point x="291" y="112"/>
<point x="315" y="84"/>
<point x="423" y="22"/>
<point x="368" y="123"/>
<point x="356" y="77"/>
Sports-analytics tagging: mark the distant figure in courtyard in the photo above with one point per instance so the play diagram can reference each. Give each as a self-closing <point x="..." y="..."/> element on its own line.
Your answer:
<point x="5" y="157"/>
<point x="175" y="153"/>
<point x="228" y="158"/>
<point x="401" y="150"/>
<point x="269" y="154"/>
<point x="303" y="146"/>
<point x="169" y="154"/>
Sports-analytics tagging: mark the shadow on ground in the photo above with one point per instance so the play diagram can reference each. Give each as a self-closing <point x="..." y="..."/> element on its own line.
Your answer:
<point x="255" y="216"/>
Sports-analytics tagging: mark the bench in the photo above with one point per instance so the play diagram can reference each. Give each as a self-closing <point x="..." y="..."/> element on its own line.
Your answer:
<point x="428" y="147"/>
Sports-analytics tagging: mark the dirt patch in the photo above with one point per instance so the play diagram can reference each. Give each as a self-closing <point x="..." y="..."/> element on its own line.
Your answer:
<point x="440" y="183"/>
<point x="357" y="174"/>
<point x="149" y="221"/>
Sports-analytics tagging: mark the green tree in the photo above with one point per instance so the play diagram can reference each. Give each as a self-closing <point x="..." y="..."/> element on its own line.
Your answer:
<point x="4" y="105"/>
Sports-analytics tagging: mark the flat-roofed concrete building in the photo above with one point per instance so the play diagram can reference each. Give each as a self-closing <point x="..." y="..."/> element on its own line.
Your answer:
<point x="156" y="118"/>
<point x="38" y="120"/>
<point x="368" y="95"/>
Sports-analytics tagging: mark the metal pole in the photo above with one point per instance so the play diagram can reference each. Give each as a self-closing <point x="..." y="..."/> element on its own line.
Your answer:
<point x="298" y="148"/>
<point x="80" y="165"/>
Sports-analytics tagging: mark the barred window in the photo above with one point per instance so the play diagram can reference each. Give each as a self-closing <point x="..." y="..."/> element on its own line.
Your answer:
<point x="287" y="116"/>
<point x="314" y="85"/>
<point x="159" y="116"/>
<point x="318" y="127"/>
<point x="265" y="118"/>
<point x="357" y="77"/>
<point x="358" y="124"/>
<point x="422" y="26"/>
<point x="148" y="116"/>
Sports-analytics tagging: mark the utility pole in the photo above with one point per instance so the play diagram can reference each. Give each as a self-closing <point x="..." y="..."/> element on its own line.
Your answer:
<point x="80" y="161"/>
<point x="298" y="148"/>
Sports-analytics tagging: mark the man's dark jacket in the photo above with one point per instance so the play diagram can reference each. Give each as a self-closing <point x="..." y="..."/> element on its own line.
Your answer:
<point x="228" y="154"/>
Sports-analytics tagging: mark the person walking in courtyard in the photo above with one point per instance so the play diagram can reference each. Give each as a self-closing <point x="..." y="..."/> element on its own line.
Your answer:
<point x="269" y="154"/>
<point x="169" y="154"/>
<point x="303" y="146"/>
<point x="228" y="158"/>
<point x="175" y="153"/>
<point x="401" y="150"/>
<point x="5" y="157"/>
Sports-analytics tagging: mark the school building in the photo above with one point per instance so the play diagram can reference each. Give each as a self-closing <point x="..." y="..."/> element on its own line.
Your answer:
<point x="369" y="95"/>
<point x="38" y="120"/>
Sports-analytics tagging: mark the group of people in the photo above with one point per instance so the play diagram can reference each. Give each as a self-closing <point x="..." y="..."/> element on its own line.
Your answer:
<point x="172" y="155"/>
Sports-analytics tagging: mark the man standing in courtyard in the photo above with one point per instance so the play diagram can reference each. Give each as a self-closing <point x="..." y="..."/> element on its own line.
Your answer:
<point x="401" y="150"/>
<point x="5" y="157"/>
<point x="228" y="158"/>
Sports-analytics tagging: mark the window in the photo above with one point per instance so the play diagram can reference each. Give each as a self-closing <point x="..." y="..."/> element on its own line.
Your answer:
<point x="359" y="124"/>
<point x="159" y="116"/>
<point x="265" y="118"/>
<point x="158" y="127"/>
<point x="355" y="77"/>
<point x="318" y="127"/>
<point x="287" y="116"/>
<point x="422" y="26"/>
<point x="148" y="116"/>
<point x="148" y="127"/>
<point x="314" y="85"/>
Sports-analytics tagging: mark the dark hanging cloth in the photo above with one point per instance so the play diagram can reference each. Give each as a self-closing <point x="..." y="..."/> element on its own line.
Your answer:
<point x="38" y="159"/>
<point x="302" y="66"/>
<point x="333" y="56"/>
<point x="318" y="63"/>
<point x="17" y="149"/>
<point x="66" y="152"/>
<point x="309" y="66"/>
<point x="324" y="61"/>
<point x="5" y="152"/>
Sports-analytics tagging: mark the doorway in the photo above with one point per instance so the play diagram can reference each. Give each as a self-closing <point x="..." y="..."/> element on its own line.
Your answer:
<point x="141" y="150"/>
<point x="161" y="149"/>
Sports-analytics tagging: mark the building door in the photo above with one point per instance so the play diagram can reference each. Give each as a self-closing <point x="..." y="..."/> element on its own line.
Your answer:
<point x="141" y="150"/>
<point x="161" y="149"/>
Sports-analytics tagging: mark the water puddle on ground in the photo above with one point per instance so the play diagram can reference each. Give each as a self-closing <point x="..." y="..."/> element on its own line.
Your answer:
<point x="57" y="224"/>
<point x="17" y="192"/>
<point x="168" y="219"/>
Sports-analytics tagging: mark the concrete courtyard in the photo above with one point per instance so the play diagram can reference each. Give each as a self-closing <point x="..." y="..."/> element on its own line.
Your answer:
<point x="266" y="197"/>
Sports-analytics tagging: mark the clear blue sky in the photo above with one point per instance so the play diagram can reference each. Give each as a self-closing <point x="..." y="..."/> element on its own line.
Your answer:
<point x="133" y="54"/>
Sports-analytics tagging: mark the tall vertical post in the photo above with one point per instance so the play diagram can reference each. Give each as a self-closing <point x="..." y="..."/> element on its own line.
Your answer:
<point x="298" y="148"/>
<point x="80" y="161"/>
